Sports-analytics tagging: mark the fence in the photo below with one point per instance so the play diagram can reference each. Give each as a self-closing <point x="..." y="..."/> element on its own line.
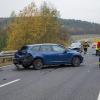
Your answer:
<point x="6" y="56"/>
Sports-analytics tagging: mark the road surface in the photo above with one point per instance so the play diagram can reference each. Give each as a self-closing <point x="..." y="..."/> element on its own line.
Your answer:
<point x="52" y="83"/>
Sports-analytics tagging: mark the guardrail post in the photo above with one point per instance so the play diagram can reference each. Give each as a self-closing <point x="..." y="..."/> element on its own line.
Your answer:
<point x="6" y="56"/>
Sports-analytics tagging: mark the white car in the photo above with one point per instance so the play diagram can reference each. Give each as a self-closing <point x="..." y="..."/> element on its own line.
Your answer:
<point x="76" y="46"/>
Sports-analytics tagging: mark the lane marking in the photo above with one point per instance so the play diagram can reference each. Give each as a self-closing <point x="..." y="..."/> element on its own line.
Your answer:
<point x="10" y="83"/>
<point x="98" y="96"/>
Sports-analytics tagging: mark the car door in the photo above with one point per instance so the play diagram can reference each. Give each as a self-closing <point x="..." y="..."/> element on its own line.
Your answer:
<point x="61" y="54"/>
<point x="48" y="55"/>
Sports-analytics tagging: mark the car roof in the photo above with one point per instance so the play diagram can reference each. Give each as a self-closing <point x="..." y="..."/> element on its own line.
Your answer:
<point x="42" y="44"/>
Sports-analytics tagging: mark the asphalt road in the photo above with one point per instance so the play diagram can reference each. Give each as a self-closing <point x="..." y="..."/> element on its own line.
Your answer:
<point x="52" y="83"/>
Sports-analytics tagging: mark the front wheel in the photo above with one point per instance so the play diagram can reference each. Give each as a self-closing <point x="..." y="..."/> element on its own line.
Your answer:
<point x="76" y="61"/>
<point x="27" y="61"/>
<point x="38" y="64"/>
<point x="26" y="64"/>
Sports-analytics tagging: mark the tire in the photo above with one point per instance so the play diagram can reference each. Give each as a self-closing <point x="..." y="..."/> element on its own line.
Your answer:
<point x="25" y="64"/>
<point x="76" y="61"/>
<point x="96" y="53"/>
<point x="99" y="62"/>
<point x="27" y="61"/>
<point x="38" y="64"/>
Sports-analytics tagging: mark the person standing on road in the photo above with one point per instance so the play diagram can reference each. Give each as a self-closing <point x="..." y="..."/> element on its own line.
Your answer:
<point x="85" y="47"/>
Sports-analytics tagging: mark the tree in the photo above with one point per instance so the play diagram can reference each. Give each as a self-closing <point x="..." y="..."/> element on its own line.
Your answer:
<point x="34" y="25"/>
<point x="21" y="30"/>
<point x="3" y="37"/>
<point x="49" y="23"/>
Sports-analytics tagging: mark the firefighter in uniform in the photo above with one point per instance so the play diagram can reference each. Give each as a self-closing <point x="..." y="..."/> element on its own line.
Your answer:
<point x="85" y="47"/>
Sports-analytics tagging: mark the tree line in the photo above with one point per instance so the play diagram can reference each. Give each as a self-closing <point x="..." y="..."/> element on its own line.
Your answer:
<point x="40" y="25"/>
<point x="34" y="25"/>
<point x="78" y="27"/>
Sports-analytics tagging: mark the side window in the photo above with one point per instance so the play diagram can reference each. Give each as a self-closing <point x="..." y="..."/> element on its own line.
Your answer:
<point x="58" y="48"/>
<point x="46" y="48"/>
<point x="35" y="48"/>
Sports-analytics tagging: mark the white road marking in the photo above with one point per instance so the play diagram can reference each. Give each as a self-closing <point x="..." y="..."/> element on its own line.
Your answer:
<point x="98" y="96"/>
<point x="10" y="83"/>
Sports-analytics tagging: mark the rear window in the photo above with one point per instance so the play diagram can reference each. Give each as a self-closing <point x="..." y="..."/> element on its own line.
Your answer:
<point x="23" y="49"/>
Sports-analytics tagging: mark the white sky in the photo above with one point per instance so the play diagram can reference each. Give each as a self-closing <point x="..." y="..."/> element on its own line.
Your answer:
<point x="88" y="10"/>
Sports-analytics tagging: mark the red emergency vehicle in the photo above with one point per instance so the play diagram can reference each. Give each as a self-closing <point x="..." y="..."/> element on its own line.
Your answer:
<point x="98" y="48"/>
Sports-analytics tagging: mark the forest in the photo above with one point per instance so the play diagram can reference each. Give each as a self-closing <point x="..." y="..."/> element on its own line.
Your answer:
<point x="40" y="25"/>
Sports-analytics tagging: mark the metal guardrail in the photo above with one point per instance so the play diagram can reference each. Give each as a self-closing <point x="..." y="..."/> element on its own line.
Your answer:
<point x="6" y="56"/>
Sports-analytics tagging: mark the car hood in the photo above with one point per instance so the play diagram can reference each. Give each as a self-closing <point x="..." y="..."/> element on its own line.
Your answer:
<point x="73" y="51"/>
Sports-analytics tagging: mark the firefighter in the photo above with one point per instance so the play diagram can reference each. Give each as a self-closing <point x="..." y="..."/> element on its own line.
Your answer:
<point x="85" y="47"/>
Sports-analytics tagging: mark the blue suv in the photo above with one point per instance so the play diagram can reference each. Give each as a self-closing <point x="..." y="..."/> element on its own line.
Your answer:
<point x="39" y="55"/>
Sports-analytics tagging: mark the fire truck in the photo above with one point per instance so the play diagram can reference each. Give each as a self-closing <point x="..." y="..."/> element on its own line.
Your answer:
<point x="98" y="49"/>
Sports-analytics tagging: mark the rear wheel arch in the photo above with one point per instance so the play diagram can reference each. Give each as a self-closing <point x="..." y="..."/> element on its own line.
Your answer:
<point x="76" y="56"/>
<point x="39" y="58"/>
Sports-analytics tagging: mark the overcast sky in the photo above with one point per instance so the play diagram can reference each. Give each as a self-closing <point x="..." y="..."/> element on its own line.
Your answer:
<point x="87" y="10"/>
